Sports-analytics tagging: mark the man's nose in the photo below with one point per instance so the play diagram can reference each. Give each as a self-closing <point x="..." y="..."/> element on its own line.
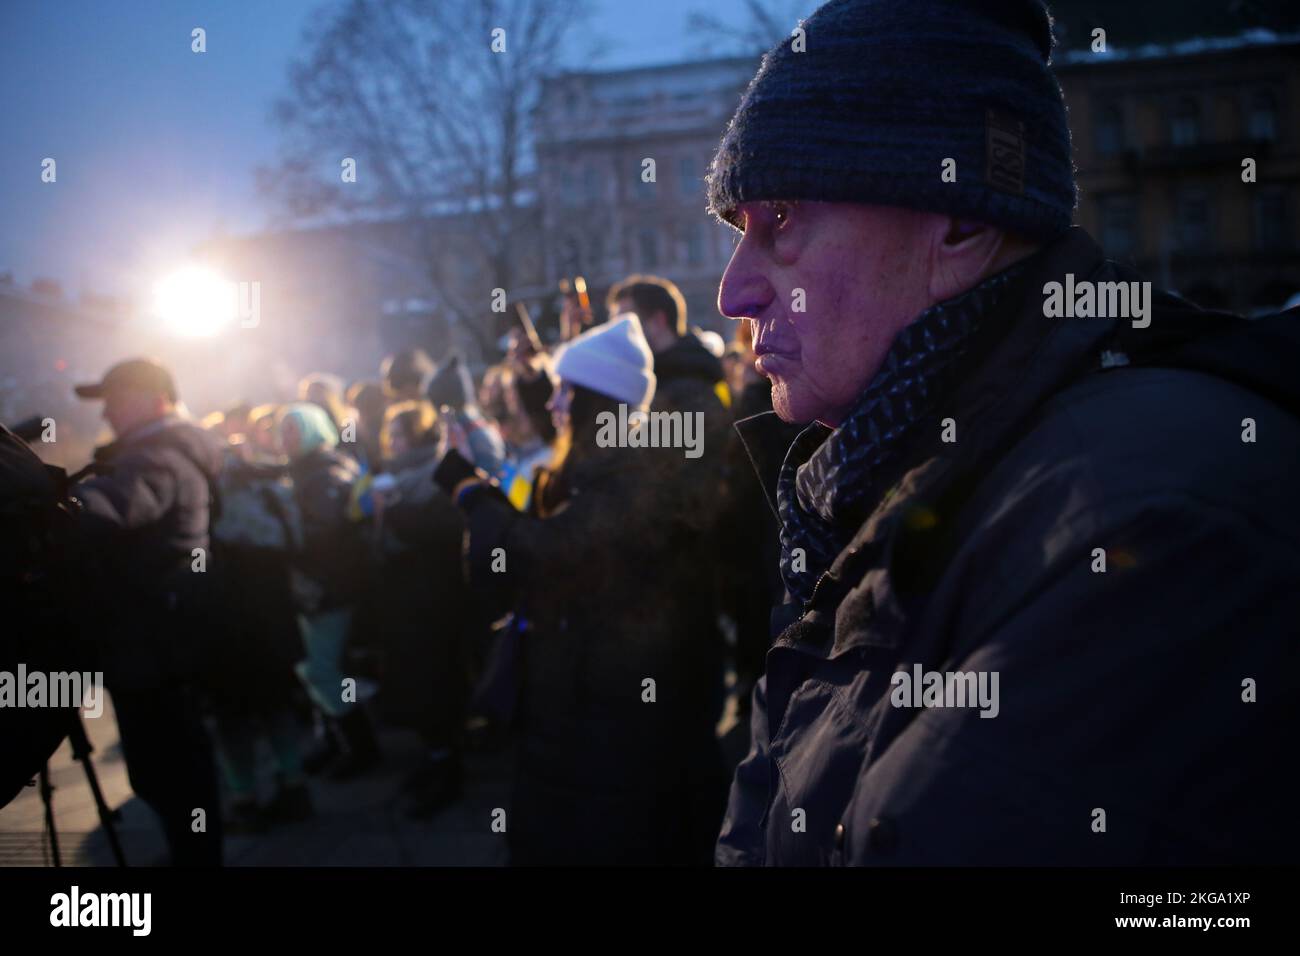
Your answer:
<point x="745" y="291"/>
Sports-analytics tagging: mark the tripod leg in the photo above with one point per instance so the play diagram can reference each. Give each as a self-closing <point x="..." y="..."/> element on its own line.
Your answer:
<point x="47" y="797"/>
<point x="81" y="751"/>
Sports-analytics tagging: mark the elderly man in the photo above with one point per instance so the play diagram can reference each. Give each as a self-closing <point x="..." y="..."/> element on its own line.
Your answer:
<point x="1040" y="542"/>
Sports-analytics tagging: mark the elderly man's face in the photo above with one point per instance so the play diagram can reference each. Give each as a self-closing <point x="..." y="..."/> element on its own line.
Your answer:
<point x="827" y="287"/>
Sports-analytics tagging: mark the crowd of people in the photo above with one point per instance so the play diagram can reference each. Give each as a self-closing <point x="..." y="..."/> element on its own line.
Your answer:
<point x="453" y="554"/>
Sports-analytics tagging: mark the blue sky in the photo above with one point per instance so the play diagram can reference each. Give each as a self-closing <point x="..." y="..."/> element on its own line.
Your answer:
<point x="156" y="145"/>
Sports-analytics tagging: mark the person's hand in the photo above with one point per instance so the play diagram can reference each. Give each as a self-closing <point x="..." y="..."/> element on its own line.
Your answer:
<point x="453" y="436"/>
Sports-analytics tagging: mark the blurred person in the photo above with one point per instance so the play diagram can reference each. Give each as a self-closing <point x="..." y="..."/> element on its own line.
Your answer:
<point x="326" y="391"/>
<point x="527" y="427"/>
<point x="451" y="390"/>
<point x="370" y="402"/>
<point x="422" y="607"/>
<point x="326" y="575"/>
<point x="492" y="392"/>
<point x="602" y="605"/>
<point x="234" y="420"/>
<point x="690" y="376"/>
<point x="992" y="489"/>
<point x="249" y="676"/>
<point x="405" y="374"/>
<point x="147" y="510"/>
<point x="690" y="380"/>
<point x="262" y="441"/>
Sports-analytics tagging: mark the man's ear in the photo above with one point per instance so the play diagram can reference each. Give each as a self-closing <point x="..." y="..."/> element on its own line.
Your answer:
<point x="962" y="255"/>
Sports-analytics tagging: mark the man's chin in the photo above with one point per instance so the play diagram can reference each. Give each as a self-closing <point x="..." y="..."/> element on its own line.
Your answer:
<point x="788" y="407"/>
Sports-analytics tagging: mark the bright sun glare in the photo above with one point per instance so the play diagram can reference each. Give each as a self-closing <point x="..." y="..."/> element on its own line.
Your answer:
<point x="195" y="301"/>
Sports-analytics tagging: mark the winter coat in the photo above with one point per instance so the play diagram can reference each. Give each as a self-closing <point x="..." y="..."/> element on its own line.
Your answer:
<point x="253" y="539"/>
<point x="421" y="602"/>
<point x="1100" y="538"/>
<point x="620" y="662"/>
<point x="687" y="379"/>
<point x="150" y="493"/>
<point x="147" y="507"/>
<point x="748" y="533"/>
<point x="328" y="571"/>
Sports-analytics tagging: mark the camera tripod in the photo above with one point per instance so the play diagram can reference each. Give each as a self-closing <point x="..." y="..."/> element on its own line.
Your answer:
<point x="81" y="751"/>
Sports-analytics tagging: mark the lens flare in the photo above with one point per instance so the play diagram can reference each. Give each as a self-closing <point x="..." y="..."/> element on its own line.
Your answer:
<point x="195" y="302"/>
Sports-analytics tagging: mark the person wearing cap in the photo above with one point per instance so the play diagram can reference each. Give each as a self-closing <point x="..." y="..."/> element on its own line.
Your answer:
<point x="1060" y="515"/>
<point x="146" y="511"/>
<point x="617" y="657"/>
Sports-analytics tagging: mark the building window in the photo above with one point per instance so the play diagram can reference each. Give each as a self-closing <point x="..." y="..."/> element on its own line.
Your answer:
<point x="695" y="244"/>
<point x="649" y="248"/>
<point x="1262" y="121"/>
<point x="1110" y="130"/>
<point x="1119" y="226"/>
<point x="1272" y="222"/>
<point x="1185" y="122"/>
<point x="1193" y="221"/>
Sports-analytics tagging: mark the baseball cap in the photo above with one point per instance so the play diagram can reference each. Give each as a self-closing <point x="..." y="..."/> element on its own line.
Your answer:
<point x="141" y="374"/>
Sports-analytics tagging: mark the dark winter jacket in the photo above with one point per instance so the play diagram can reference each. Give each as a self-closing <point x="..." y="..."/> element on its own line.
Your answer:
<point x="610" y="600"/>
<point x="249" y="667"/>
<point x="687" y="376"/>
<point x="1143" y="710"/>
<point x="149" y="495"/>
<point x="147" y="507"/>
<point x="748" y="532"/>
<point x="328" y="572"/>
<point x="421" y="603"/>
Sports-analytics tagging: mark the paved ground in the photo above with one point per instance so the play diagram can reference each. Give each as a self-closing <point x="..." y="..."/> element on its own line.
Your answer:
<point x="356" y="823"/>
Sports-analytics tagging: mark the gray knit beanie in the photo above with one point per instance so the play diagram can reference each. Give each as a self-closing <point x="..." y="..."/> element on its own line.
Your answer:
<point x="868" y="104"/>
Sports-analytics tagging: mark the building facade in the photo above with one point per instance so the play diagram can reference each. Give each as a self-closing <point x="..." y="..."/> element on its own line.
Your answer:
<point x="621" y="161"/>
<point x="1166" y="137"/>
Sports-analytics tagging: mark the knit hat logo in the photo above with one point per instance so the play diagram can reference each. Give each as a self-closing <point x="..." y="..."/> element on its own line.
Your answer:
<point x="1006" y="153"/>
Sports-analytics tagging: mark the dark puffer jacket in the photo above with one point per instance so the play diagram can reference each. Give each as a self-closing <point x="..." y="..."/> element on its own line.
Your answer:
<point x="1125" y="731"/>
<point x="611" y="599"/>
<point x="146" y="509"/>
